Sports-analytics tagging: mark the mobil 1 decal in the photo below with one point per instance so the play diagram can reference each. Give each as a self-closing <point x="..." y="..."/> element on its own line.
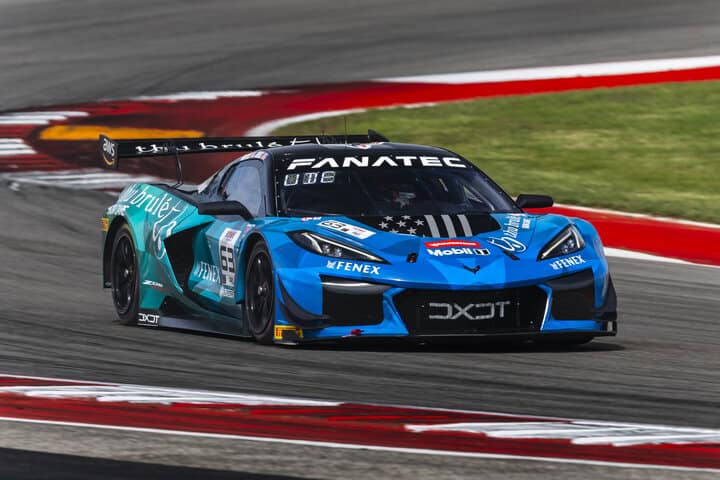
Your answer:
<point x="228" y="240"/>
<point x="441" y="248"/>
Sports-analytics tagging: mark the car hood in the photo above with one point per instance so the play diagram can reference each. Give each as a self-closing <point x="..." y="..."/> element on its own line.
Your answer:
<point x="502" y="248"/>
<point x="444" y="237"/>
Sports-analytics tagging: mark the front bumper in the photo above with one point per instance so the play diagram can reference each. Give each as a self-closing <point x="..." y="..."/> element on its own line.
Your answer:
<point x="576" y="303"/>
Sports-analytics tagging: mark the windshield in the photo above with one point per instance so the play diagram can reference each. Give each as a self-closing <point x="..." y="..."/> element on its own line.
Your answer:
<point x="389" y="191"/>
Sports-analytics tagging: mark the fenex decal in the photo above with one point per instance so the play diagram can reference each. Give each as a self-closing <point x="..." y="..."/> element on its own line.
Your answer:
<point x="353" y="267"/>
<point x="207" y="272"/>
<point x="573" y="261"/>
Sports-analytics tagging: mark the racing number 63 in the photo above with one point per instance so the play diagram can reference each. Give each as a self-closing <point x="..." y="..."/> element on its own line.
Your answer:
<point x="228" y="240"/>
<point x="227" y="265"/>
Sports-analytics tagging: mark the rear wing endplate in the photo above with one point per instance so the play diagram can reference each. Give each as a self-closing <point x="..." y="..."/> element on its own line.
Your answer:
<point x="113" y="150"/>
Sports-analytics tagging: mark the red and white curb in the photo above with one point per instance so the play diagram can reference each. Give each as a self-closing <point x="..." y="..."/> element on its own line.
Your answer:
<point x="38" y="117"/>
<point x="14" y="147"/>
<point x="29" y="154"/>
<point x="265" y="418"/>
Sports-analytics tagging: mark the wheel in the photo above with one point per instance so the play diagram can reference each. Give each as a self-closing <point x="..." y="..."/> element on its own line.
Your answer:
<point x="260" y="294"/>
<point x="124" y="277"/>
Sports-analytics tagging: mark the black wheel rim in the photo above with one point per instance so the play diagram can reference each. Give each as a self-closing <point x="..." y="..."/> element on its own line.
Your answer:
<point x="260" y="293"/>
<point x="124" y="276"/>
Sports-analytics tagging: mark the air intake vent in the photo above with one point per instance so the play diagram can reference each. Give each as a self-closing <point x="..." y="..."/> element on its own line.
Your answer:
<point x="179" y="248"/>
<point x="349" y="302"/>
<point x="432" y="312"/>
<point x="573" y="296"/>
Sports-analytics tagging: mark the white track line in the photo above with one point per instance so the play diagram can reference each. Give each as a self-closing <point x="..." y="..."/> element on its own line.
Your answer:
<point x="566" y="71"/>
<point x="580" y="432"/>
<point x="200" y="96"/>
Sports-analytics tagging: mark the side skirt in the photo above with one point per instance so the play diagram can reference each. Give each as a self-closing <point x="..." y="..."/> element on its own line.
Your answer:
<point x="216" y="326"/>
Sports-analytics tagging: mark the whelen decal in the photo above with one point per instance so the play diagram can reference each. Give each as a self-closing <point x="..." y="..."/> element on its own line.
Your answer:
<point x="452" y="243"/>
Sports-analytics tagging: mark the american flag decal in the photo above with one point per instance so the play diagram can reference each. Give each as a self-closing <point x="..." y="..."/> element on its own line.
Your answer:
<point x="435" y="226"/>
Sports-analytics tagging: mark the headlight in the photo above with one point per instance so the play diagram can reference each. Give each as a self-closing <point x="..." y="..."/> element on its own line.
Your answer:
<point x="568" y="241"/>
<point x="331" y="248"/>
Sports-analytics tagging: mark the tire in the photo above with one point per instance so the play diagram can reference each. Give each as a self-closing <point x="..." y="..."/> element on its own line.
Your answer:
<point x="260" y="294"/>
<point x="124" y="277"/>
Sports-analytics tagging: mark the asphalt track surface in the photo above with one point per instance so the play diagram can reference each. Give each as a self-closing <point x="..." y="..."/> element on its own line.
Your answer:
<point x="54" y="52"/>
<point x="56" y="321"/>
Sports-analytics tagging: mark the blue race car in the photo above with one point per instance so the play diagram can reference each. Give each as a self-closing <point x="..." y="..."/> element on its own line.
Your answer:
<point x="315" y="238"/>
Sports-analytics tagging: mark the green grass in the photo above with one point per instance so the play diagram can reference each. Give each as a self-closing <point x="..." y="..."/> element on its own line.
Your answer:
<point x="651" y="149"/>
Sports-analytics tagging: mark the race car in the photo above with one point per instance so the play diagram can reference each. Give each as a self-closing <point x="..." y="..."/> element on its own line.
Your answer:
<point x="306" y="239"/>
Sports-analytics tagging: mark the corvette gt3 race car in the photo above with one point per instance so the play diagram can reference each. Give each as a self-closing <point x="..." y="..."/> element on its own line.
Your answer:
<point x="316" y="238"/>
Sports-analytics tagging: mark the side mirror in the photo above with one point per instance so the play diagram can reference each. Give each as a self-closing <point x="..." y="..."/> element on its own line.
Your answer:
<point x="230" y="207"/>
<point x="534" y="201"/>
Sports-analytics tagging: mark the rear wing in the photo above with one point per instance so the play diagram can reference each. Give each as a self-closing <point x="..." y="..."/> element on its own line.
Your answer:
<point x="113" y="150"/>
